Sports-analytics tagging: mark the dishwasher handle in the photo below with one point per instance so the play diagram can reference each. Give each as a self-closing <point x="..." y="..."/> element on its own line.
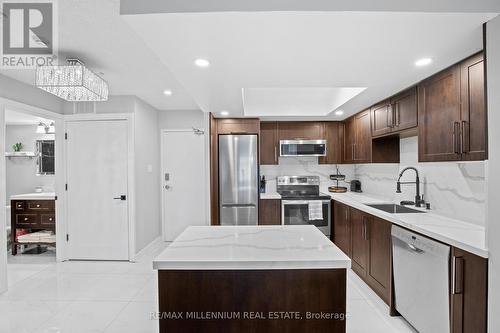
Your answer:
<point x="414" y="248"/>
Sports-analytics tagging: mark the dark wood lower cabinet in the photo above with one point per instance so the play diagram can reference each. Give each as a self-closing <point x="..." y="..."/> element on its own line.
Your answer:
<point x="341" y="227"/>
<point x="469" y="292"/>
<point x="379" y="271"/>
<point x="359" y="242"/>
<point x="269" y="212"/>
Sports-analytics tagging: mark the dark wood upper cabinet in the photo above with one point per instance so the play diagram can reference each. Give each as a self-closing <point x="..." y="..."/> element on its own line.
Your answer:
<point x="238" y="126"/>
<point x="381" y="117"/>
<point x="349" y="140"/>
<point x="452" y="113"/>
<point x="404" y="110"/>
<point x="473" y="112"/>
<point x="269" y="212"/>
<point x="363" y="144"/>
<point x="439" y="116"/>
<point x="359" y="241"/>
<point x="357" y="138"/>
<point x="269" y="144"/>
<point x="394" y="115"/>
<point x="469" y="292"/>
<point x="300" y="130"/>
<point x="332" y="135"/>
<point x="341" y="227"/>
<point x="379" y="269"/>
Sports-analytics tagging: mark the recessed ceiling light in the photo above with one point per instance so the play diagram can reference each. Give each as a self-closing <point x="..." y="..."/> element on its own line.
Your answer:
<point x="423" y="62"/>
<point x="339" y="112"/>
<point x="167" y="92"/>
<point x="202" y="62"/>
<point x="224" y="113"/>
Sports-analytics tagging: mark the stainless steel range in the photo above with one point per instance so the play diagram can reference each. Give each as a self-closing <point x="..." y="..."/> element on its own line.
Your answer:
<point x="302" y="202"/>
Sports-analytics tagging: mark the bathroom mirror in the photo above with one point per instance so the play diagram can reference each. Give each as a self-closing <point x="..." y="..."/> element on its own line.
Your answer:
<point x="46" y="157"/>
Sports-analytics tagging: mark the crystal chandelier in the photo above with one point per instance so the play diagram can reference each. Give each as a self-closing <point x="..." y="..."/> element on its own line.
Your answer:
<point x="72" y="82"/>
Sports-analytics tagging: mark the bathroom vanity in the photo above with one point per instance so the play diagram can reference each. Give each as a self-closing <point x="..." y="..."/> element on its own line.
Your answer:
<point x="33" y="212"/>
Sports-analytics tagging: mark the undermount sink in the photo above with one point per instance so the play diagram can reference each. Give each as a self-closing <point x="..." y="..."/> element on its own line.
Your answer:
<point x="394" y="209"/>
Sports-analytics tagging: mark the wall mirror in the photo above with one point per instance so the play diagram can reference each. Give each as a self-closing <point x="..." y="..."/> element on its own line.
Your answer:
<point x="46" y="157"/>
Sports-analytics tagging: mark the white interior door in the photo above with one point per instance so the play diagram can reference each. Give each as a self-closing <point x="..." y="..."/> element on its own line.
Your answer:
<point x="183" y="174"/>
<point x="97" y="162"/>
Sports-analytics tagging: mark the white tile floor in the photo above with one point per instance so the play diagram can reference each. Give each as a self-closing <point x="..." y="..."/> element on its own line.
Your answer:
<point x="45" y="296"/>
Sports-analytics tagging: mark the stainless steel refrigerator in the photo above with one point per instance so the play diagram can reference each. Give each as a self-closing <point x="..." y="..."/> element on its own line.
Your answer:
<point x="238" y="180"/>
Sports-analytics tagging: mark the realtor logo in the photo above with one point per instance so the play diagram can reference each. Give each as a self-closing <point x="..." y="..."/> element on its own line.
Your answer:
<point x="28" y="34"/>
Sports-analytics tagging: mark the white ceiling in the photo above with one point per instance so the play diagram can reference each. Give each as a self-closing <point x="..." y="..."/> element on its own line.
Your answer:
<point x="93" y="31"/>
<point x="293" y="102"/>
<point x="308" y="51"/>
<point x="284" y="50"/>
<point x="19" y="118"/>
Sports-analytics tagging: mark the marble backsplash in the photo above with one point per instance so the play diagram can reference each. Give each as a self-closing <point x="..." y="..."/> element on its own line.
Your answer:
<point x="454" y="189"/>
<point x="301" y="166"/>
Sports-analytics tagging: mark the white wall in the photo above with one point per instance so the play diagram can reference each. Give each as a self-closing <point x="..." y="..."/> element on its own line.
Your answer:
<point x="456" y="190"/>
<point x="28" y="94"/>
<point x="3" y="234"/>
<point x="182" y="119"/>
<point x="493" y="174"/>
<point x="147" y="174"/>
<point x="21" y="172"/>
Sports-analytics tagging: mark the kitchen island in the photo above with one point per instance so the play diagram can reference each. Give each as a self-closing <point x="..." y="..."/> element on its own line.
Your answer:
<point x="252" y="279"/>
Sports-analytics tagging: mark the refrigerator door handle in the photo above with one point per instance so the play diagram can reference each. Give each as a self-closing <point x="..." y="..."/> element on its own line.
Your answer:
<point x="239" y="206"/>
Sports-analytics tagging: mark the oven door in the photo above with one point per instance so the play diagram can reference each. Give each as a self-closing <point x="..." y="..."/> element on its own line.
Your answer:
<point x="296" y="212"/>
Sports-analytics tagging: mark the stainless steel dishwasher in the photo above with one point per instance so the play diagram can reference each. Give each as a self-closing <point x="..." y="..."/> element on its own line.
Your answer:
<point x="421" y="280"/>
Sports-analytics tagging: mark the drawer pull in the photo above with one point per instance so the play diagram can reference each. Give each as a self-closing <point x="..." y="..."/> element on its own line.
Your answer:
<point x="26" y="219"/>
<point x="50" y="219"/>
<point x="37" y="206"/>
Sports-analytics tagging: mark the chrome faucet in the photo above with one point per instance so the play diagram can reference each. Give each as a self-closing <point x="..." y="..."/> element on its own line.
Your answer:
<point x="418" y="199"/>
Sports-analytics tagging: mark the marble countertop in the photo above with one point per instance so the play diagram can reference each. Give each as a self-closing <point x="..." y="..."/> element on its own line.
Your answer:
<point x="251" y="248"/>
<point x="270" y="195"/>
<point x="466" y="236"/>
<point x="34" y="196"/>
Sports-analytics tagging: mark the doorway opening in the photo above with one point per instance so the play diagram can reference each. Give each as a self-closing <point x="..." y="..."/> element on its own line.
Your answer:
<point x="30" y="178"/>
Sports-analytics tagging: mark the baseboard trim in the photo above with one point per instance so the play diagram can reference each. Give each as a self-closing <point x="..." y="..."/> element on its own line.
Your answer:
<point x="153" y="243"/>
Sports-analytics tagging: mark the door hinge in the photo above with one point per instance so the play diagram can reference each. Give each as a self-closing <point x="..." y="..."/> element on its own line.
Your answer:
<point x="66" y="136"/>
<point x="66" y="186"/>
<point x="67" y="237"/>
<point x="55" y="198"/>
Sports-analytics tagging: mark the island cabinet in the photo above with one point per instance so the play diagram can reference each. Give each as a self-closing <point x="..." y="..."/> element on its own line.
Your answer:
<point x="452" y="113"/>
<point x="368" y="240"/>
<point x="469" y="295"/>
<point x="269" y="143"/>
<point x="396" y="114"/>
<point x="269" y="212"/>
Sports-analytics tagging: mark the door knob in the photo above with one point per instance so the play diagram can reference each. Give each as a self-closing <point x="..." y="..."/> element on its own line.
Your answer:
<point x="121" y="197"/>
<point x="167" y="187"/>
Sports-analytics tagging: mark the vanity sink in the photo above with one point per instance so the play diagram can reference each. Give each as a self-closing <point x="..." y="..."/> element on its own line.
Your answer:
<point x="394" y="209"/>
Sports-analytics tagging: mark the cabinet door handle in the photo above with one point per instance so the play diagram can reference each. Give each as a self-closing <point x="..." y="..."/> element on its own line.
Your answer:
<point x="275" y="154"/>
<point x="365" y="229"/>
<point x="353" y="151"/>
<point x="397" y="116"/>
<point x="464" y="133"/>
<point x="456" y="137"/>
<point x="457" y="271"/>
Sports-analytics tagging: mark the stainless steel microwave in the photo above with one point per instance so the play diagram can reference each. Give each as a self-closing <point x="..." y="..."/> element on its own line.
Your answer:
<point x="302" y="148"/>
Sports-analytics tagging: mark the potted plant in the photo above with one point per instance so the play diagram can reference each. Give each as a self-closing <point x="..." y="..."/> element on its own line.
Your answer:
<point x="17" y="147"/>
